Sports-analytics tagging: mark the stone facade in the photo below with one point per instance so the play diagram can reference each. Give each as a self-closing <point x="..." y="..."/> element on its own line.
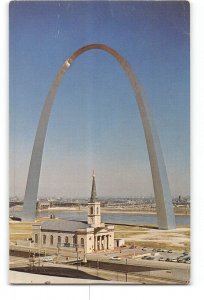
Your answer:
<point x="51" y="237"/>
<point x="90" y="239"/>
<point x="94" y="214"/>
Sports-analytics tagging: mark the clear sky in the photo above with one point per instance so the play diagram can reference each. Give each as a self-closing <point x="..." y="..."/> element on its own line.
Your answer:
<point x="95" y="122"/>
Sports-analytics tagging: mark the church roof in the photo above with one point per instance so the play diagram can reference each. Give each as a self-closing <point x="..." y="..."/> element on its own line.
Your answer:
<point x="63" y="225"/>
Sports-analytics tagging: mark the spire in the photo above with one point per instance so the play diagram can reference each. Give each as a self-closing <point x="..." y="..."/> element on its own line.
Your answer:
<point x="93" y="191"/>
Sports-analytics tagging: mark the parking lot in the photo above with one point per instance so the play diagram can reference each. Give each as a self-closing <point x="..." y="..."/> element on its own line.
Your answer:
<point x="139" y="253"/>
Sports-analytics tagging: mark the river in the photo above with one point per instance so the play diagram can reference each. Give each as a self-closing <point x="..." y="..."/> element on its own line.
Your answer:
<point x="121" y="218"/>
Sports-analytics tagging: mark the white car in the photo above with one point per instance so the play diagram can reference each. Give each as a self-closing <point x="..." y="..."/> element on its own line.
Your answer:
<point x="47" y="258"/>
<point x="115" y="258"/>
<point x="174" y="260"/>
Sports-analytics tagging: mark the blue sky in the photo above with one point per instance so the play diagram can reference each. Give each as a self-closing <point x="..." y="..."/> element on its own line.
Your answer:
<point x="95" y="123"/>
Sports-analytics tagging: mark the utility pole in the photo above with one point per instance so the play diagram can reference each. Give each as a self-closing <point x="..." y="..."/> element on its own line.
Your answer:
<point x="77" y="256"/>
<point x="39" y="248"/>
<point x="57" y="252"/>
<point x="85" y="258"/>
<point x="97" y="266"/>
<point x="126" y="279"/>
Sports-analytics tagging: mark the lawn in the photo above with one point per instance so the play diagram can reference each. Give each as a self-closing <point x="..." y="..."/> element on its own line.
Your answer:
<point x="20" y="230"/>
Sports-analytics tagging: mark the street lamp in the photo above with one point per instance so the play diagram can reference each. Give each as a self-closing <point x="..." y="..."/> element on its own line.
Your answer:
<point x="134" y="250"/>
<point x="126" y="279"/>
<point x="97" y="266"/>
<point x="39" y="248"/>
<point x="77" y="256"/>
<point x="85" y="258"/>
<point x="58" y="248"/>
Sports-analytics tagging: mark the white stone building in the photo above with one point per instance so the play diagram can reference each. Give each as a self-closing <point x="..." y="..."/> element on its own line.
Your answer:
<point x="90" y="236"/>
<point x="119" y="242"/>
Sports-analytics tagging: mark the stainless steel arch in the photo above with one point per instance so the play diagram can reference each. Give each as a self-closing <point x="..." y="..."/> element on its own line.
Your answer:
<point x="165" y="214"/>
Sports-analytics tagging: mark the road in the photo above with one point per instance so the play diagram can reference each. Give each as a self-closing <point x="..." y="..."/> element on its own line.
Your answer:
<point x="138" y="269"/>
<point x="137" y="272"/>
<point x="81" y="272"/>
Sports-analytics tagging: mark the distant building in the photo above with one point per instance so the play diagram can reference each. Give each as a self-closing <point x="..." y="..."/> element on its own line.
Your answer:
<point x="43" y="204"/>
<point x="119" y="242"/>
<point x="91" y="236"/>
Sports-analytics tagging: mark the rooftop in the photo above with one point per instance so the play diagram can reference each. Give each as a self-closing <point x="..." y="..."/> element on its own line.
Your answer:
<point x="63" y="225"/>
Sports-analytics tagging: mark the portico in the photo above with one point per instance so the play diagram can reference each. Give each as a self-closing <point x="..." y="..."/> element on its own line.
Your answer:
<point x="101" y="242"/>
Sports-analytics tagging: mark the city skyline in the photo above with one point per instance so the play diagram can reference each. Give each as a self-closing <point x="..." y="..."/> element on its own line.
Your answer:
<point x="84" y="103"/>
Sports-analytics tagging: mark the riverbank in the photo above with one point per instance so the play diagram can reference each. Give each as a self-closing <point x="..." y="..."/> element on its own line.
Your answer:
<point x="134" y="211"/>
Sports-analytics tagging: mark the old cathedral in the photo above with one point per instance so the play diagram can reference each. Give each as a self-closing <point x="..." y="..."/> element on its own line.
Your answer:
<point x="91" y="236"/>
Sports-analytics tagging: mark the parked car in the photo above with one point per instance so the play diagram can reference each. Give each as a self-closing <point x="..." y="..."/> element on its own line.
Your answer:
<point x="115" y="258"/>
<point x="168" y="259"/>
<point x="161" y="259"/>
<point x="186" y="259"/>
<point x="174" y="259"/>
<point x="180" y="259"/>
<point x="170" y="251"/>
<point x="149" y="258"/>
<point x="47" y="258"/>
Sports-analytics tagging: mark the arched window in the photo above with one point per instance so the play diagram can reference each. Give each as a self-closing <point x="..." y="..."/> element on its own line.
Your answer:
<point x="97" y="211"/>
<point x="51" y="240"/>
<point x="91" y="210"/>
<point x="36" y="238"/>
<point x="44" y="239"/>
<point x="59" y="239"/>
<point x="66" y="240"/>
<point x="82" y="242"/>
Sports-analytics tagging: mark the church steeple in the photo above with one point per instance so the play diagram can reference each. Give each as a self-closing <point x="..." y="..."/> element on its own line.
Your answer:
<point x="94" y="214"/>
<point x="93" y="190"/>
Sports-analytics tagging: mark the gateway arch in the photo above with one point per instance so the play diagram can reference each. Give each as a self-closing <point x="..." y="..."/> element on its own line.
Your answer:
<point x="164" y="206"/>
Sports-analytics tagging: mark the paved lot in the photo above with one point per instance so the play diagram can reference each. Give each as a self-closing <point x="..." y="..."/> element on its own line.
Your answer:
<point x="135" y="255"/>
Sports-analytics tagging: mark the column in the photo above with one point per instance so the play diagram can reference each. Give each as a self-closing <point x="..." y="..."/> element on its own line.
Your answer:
<point x="100" y="245"/>
<point x="95" y="243"/>
<point x="107" y="242"/>
<point x="104" y="243"/>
